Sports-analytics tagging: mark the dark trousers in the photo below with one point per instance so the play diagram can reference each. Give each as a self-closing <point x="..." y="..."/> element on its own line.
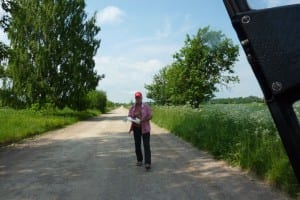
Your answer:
<point x="137" y="132"/>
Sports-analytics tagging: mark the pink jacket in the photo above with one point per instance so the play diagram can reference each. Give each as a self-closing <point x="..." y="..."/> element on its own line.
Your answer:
<point x="146" y="116"/>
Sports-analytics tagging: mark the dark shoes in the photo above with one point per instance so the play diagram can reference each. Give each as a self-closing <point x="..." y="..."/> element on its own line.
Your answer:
<point x="147" y="166"/>
<point x="140" y="163"/>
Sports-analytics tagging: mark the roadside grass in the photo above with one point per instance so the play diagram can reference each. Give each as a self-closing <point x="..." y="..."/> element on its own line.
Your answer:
<point x="19" y="124"/>
<point x="242" y="134"/>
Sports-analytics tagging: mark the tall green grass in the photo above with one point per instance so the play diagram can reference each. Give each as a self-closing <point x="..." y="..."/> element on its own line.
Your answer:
<point x="19" y="124"/>
<point x="242" y="134"/>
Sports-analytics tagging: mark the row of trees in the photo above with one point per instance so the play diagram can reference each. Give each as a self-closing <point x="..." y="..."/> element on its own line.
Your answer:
<point x="204" y="63"/>
<point x="50" y="55"/>
<point x="237" y="100"/>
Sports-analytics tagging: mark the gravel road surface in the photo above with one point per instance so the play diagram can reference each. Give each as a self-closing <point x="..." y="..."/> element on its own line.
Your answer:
<point x="95" y="159"/>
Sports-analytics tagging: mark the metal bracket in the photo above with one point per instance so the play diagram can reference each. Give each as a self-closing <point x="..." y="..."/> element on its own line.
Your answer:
<point x="270" y="38"/>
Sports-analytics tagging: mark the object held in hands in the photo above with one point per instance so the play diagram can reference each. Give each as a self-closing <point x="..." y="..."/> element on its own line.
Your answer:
<point x="270" y="38"/>
<point x="135" y="120"/>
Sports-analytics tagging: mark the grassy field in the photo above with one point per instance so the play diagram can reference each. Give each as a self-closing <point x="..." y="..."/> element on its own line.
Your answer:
<point x="19" y="124"/>
<point x="242" y="134"/>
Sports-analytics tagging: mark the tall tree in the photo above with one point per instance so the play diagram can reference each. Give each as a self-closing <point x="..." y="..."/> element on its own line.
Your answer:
<point x="53" y="45"/>
<point x="4" y="20"/>
<point x="5" y="90"/>
<point x="3" y="59"/>
<point x="166" y="88"/>
<point x="158" y="89"/>
<point x="206" y="60"/>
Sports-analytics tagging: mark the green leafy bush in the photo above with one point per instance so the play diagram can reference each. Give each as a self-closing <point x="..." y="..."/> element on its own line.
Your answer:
<point x="97" y="100"/>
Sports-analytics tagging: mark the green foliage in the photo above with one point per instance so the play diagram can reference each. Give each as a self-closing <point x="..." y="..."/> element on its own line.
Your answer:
<point x="7" y="6"/>
<point x="157" y="90"/>
<point x="238" y="100"/>
<point x="5" y="92"/>
<point x="205" y="61"/>
<point x="52" y="50"/>
<point x="3" y="57"/>
<point x="111" y="105"/>
<point x="242" y="134"/>
<point x="97" y="100"/>
<point x="7" y="98"/>
<point x="19" y="124"/>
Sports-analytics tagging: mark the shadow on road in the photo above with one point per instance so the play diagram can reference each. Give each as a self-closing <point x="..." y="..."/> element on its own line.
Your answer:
<point x="102" y="166"/>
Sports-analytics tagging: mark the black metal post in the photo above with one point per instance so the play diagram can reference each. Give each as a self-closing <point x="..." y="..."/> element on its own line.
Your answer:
<point x="271" y="40"/>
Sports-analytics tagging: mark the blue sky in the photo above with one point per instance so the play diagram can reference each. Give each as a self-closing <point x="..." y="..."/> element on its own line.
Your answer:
<point x="139" y="37"/>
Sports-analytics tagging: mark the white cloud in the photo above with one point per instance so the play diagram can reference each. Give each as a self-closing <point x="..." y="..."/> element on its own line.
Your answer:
<point x="294" y="1"/>
<point x="110" y="15"/>
<point x="126" y="75"/>
<point x="151" y="66"/>
<point x="274" y="3"/>
<point x="187" y="25"/>
<point x="184" y="27"/>
<point x="147" y="47"/>
<point x="166" y="31"/>
<point x="123" y="75"/>
<point x="122" y="68"/>
<point x="161" y="51"/>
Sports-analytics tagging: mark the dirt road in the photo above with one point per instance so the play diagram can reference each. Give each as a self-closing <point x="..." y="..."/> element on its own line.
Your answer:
<point x="95" y="159"/>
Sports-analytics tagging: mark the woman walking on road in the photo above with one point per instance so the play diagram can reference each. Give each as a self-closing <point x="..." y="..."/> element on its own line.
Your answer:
<point x="141" y="115"/>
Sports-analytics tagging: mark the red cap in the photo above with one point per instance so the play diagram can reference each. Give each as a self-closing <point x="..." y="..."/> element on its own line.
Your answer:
<point x="138" y="94"/>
